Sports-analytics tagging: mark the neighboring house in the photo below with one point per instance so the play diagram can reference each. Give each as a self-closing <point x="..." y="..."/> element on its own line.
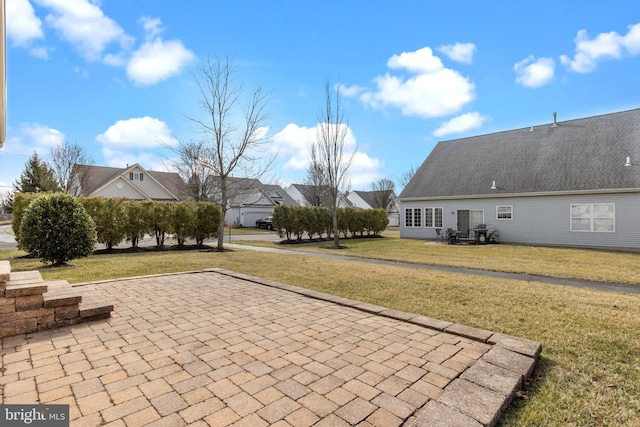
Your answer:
<point x="250" y="200"/>
<point x="309" y="195"/>
<point x="132" y="182"/>
<point x="573" y="183"/>
<point x="375" y="199"/>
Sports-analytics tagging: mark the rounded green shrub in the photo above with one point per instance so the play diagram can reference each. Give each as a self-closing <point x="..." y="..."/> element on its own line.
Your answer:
<point x="56" y="228"/>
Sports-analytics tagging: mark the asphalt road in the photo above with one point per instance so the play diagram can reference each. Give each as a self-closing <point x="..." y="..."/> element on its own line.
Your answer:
<point x="6" y="240"/>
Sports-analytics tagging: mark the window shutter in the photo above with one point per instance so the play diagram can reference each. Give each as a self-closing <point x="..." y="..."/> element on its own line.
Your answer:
<point x="141" y="176"/>
<point x="130" y="176"/>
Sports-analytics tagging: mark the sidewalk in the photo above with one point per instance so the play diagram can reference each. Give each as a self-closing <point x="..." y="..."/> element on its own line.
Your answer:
<point x="550" y="280"/>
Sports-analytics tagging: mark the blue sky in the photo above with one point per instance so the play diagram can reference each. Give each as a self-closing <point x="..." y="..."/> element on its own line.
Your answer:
<point x="115" y="76"/>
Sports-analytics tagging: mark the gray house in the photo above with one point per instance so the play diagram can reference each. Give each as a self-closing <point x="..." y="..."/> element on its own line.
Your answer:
<point x="571" y="183"/>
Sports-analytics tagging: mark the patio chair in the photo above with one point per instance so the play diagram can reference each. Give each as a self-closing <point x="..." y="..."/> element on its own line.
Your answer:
<point x="439" y="235"/>
<point x="452" y="236"/>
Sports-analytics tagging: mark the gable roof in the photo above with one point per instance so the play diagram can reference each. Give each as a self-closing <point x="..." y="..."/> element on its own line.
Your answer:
<point x="373" y="198"/>
<point x="95" y="177"/>
<point x="576" y="155"/>
<point x="248" y="191"/>
<point x="277" y="193"/>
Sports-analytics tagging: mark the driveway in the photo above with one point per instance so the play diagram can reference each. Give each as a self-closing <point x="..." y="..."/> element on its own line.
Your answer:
<point x="214" y="348"/>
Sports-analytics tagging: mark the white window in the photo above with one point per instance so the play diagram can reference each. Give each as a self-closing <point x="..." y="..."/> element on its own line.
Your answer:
<point x="136" y="176"/>
<point x="437" y="214"/>
<point x="413" y="217"/>
<point x="597" y="217"/>
<point x="433" y="217"/>
<point x="504" y="212"/>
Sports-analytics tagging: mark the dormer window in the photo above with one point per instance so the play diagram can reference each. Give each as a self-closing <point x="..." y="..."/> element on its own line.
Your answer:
<point x="136" y="176"/>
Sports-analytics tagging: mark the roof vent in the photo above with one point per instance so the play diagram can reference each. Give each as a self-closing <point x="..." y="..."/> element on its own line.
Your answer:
<point x="555" y="121"/>
<point x="628" y="161"/>
<point x="531" y="130"/>
<point x="493" y="185"/>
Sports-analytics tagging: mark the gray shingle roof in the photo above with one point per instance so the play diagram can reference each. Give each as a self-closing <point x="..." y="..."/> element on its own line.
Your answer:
<point x="373" y="198"/>
<point x="286" y="198"/>
<point x="575" y="155"/>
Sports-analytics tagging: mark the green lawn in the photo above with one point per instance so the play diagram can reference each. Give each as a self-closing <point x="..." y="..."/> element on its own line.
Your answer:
<point x="247" y="230"/>
<point x="588" y="374"/>
<point x="589" y="264"/>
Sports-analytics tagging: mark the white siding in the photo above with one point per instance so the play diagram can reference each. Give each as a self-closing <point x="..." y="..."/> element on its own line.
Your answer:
<point x="120" y="188"/>
<point x="357" y="201"/>
<point x="296" y="195"/>
<point x="246" y="216"/>
<point x="544" y="220"/>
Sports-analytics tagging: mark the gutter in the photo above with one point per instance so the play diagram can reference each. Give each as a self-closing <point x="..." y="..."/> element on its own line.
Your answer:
<point x="534" y="194"/>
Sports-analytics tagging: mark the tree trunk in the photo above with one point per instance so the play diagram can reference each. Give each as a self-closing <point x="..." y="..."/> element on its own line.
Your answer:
<point x="336" y="233"/>
<point x="221" y="224"/>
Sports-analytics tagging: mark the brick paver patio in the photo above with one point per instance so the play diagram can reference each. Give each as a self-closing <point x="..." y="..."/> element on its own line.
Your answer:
<point x="213" y="349"/>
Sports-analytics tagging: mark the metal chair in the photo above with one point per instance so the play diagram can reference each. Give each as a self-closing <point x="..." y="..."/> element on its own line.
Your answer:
<point x="452" y="236"/>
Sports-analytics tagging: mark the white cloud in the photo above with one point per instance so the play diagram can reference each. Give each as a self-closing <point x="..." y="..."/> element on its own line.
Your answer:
<point x="139" y="132"/>
<point x="364" y="170"/>
<point x="461" y="52"/>
<point x="152" y="26"/>
<point x="32" y="137"/>
<point x="155" y="60"/>
<point x="121" y="158"/>
<point x="632" y="40"/>
<point x="23" y="26"/>
<point x="83" y="24"/>
<point x="293" y="146"/>
<point x="432" y="90"/>
<point x="427" y="95"/>
<point x="534" y="73"/>
<point x="350" y="91"/>
<point x="292" y="143"/>
<point x="460" y="124"/>
<point x="420" y="61"/>
<point x="136" y="140"/>
<point x="604" y="45"/>
<point x="115" y="59"/>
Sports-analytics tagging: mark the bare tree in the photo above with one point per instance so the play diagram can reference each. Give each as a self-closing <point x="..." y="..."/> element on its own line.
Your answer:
<point x="328" y="152"/>
<point x="316" y="189"/>
<point x="64" y="157"/>
<point x="404" y="179"/>
<point x="383" y="193"/>
<point x="234" y="136"/>
<point x="194" y="171"/>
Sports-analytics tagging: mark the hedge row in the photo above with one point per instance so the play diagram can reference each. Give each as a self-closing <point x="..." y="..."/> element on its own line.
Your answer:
<point x="297" y="221"/>
<point x="118" y="219"/>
